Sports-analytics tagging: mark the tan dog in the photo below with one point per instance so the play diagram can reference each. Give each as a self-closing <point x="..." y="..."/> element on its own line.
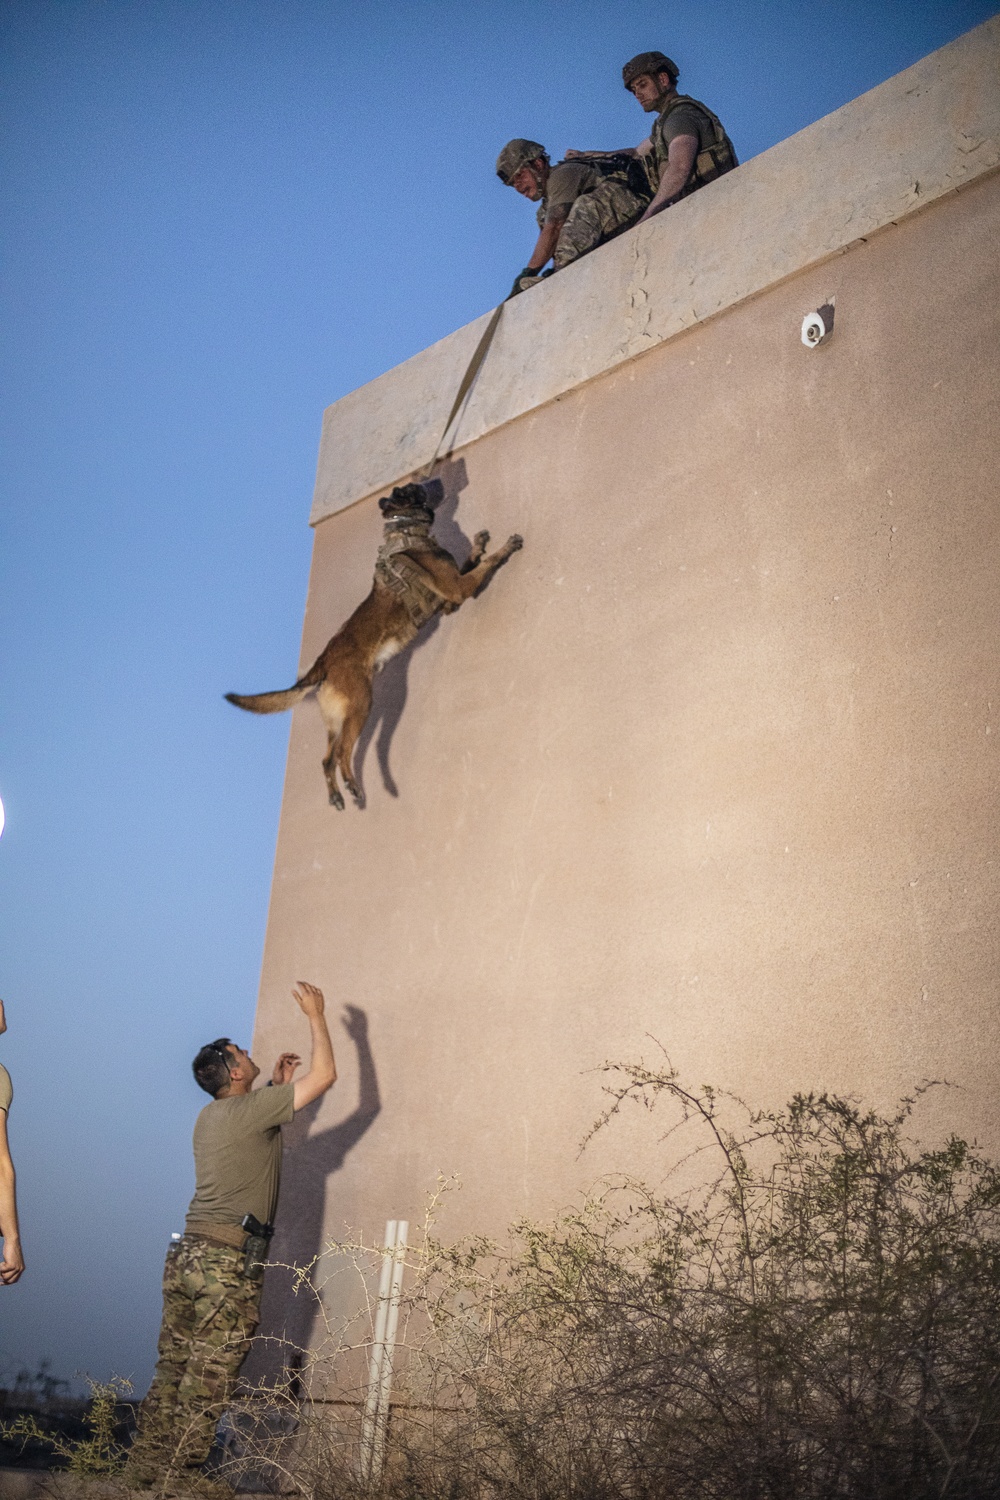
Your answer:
<point x="415" y="579"/>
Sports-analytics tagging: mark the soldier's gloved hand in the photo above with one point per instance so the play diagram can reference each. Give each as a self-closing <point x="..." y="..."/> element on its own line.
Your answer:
<point x="517" y="287"/>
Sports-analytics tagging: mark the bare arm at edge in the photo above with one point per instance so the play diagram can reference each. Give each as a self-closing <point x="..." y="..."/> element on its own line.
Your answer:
<point x="13" y="1261"/>
<point x="545" y="245"/>
<point x="322" y="1067"/>
<point x="643" y="149"/>
<point x="680" y="159"/>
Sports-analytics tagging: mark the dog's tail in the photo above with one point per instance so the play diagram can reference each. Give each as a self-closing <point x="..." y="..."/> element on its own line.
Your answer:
<point x="276" y="703"/>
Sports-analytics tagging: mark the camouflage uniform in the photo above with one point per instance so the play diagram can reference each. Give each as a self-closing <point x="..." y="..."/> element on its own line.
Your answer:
<point x="597" y="216"/>
<point x="591" y="200"/>
<point x="210" y="1310"/>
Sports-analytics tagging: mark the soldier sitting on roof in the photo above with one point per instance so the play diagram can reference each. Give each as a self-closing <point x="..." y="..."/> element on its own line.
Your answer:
<point x="687" y="146"/>
<point x="580" y="203"/>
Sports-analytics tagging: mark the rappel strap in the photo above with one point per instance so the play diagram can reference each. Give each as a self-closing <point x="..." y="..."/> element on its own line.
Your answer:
<point x="475" y="364"/>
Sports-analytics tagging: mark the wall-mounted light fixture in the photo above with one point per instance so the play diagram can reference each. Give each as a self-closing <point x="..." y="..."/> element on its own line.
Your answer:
<point x="817" y="326"/>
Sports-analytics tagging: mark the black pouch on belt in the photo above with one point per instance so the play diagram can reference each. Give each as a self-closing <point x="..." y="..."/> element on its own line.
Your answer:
<point x="255" y="1250"/>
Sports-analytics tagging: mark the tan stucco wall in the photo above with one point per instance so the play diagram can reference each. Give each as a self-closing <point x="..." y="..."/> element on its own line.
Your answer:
<point x="713" y="760"/>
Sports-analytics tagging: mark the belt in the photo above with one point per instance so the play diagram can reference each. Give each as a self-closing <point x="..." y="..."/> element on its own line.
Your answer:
<point x="222" y="1234"/>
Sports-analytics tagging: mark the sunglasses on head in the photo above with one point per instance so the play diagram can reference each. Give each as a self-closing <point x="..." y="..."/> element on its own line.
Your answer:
<point x="220" y="1047"/>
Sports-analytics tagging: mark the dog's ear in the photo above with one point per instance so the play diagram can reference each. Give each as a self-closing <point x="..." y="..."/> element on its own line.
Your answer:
<point x="433" y="492"/>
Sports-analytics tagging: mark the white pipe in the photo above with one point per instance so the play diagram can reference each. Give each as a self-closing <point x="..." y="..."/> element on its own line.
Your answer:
<point x="377" y="1354"/>
<point x="375" y="1419"/>
<point x="381" y="1423"/>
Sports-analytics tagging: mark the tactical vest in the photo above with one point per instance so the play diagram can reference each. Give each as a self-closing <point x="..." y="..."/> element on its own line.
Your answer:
<point x="711" y="162"/>
<point x="406" y="579"/>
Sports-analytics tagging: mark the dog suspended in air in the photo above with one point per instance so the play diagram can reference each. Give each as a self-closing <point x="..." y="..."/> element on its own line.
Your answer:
<point x="415" y="579"/>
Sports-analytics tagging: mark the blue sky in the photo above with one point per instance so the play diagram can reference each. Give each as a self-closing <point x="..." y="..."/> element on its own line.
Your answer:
<point x="221" y="216"/>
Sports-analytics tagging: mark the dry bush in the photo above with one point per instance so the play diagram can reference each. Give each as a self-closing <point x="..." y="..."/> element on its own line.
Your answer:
<point x="821" y="1323"/>
<point x="99" y="1450"/>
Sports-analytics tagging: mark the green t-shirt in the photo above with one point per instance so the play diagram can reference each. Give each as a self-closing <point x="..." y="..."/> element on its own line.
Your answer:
<point x="682" y="115"/>
<point x="237" y="1156"/>
<point x="6" y="1090"/>
<point x="683" y="119"/>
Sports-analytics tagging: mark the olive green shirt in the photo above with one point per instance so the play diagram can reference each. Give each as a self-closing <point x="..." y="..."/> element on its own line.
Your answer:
<point x="568" y="180"/>
<point x="684" y="119"/>
<point x="6" y="1090"/>
<point x="682" y="115"/>
<point x="237" y="1156"/>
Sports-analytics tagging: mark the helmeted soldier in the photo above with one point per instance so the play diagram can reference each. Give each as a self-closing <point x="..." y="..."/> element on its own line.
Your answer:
<point x="580" y="204"/>
<point x="687" y="146"/>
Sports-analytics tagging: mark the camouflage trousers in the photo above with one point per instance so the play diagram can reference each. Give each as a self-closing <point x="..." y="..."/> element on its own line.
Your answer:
<point x="210" y="1310"/>
<point x="596" y="217"/>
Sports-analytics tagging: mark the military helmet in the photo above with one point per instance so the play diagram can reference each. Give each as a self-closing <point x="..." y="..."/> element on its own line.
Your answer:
<point x="651" y="63"/>
<point x="515" y="155"/>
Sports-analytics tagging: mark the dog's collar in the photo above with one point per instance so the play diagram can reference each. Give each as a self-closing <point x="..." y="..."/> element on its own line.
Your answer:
<point x="418" y="528"/>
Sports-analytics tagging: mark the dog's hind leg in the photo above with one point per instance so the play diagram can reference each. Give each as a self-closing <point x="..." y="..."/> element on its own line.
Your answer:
<point x="333" y="707"/>
<point x="330" y="772"/>
<point x="355" y="721"/>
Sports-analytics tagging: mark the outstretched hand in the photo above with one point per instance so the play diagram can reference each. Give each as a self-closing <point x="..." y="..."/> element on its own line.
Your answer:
<point x="308" y="998"/>
<point x="285" y="1067"/>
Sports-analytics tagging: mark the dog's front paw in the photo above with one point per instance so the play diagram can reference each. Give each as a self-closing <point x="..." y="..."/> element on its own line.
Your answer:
<point x="515" y="542"/>
<point x="481" y="540"/>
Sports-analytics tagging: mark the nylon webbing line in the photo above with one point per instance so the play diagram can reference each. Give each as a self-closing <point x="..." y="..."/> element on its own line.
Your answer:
<point x="475" y="364"/>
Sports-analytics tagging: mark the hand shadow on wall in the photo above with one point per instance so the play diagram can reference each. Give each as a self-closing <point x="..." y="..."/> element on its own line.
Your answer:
<point x="389" y="688"/>
<point x="289" y="1316"/>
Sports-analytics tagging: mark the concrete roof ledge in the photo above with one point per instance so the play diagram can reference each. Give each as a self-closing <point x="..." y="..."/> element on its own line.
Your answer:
<point x="918" y="136"/>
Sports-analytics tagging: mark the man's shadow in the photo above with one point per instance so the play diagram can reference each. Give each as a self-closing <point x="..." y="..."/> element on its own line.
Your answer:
<point x="291" y="1306"/>
<point x="389" y="688"/>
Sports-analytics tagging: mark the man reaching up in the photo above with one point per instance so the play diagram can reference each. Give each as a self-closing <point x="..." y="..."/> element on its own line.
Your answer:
<point x="210" y="1304"/>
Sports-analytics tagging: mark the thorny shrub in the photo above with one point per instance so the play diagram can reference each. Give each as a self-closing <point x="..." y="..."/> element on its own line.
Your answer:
<point x="822" y="1322"/>
<point x="99" y="1452"/>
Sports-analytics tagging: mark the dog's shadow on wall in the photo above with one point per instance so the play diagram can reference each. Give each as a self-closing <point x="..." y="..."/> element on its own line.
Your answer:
<point x="389" y="689"/>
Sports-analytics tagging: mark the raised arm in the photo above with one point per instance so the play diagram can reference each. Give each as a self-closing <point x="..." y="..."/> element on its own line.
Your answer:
<point x="322" y="1068"/>
<point x="13" y="1261"/>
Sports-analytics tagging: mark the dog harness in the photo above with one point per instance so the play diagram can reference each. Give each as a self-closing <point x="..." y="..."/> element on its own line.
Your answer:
<point x="403" y="577"/>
